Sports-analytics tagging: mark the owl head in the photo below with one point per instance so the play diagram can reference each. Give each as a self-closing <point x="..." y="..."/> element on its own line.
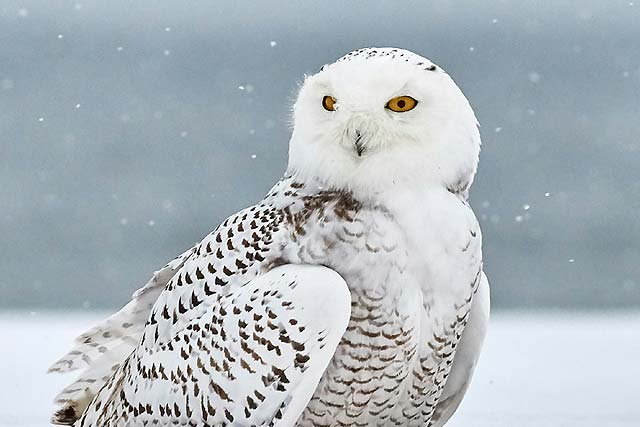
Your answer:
<point x="383" y="119"/>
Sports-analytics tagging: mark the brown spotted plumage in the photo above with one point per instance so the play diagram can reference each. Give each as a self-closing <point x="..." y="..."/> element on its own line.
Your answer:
<point x="335" y="301"/>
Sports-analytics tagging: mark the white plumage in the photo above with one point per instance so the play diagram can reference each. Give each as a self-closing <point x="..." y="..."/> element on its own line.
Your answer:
<point x="352" y="294"/>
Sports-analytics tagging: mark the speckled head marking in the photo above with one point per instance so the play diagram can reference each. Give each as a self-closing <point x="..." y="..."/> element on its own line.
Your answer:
<point x="392" y="53"/>
<point x="362" y="145"/>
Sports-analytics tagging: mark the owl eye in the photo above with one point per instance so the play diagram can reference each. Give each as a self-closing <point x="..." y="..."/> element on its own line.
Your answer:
<point x="329" y="103"/>
<point x="401" y="104"/>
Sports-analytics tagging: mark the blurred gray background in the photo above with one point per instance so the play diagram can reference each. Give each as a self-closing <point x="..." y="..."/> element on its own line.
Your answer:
<point x="128" y="130"/>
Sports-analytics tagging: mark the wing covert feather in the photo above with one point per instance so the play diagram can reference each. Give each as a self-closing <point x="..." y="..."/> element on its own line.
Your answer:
<point x="254" y="358"/>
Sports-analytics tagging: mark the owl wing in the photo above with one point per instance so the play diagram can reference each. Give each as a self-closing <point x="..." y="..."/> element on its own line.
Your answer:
<point x="466" y="357"/>
<point x="254" y="357"/>
<point x="242" y="248"/>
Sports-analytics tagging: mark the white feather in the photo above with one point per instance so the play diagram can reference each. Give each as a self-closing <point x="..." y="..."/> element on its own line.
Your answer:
<point x="377" y="197"/>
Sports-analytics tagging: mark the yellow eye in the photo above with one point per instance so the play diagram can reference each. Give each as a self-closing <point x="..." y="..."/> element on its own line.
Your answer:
<point x="329" y="102"/>
<point x="401" y="104"/>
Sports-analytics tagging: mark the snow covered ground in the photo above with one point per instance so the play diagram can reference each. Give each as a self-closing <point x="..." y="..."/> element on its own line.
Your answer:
<point x="542" y="370"/>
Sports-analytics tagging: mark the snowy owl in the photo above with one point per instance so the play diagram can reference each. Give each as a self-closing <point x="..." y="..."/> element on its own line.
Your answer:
<point x="352" y="295"/>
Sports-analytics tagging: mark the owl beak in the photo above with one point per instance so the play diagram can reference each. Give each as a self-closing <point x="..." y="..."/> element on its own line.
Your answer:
<point x="358" y="142"/>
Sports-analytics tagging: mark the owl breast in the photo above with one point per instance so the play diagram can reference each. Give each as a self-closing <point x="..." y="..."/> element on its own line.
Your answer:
<point x="374" y="361"/>
<point x="391" y="364"/>
<point x="370" y="370"/>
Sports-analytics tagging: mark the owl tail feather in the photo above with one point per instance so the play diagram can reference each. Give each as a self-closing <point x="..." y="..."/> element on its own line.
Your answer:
<point x="103" y="348"/>
<point x="65" y="416"/>
<point x="75" y="398"/>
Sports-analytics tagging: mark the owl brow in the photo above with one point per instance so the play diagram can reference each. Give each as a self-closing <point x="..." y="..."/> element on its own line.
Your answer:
<point x="403" y="91"/>
<point x="326" y="87"/>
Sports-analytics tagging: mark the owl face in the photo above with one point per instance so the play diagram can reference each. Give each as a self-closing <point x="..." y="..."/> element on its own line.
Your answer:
<point x="381" y="118"/>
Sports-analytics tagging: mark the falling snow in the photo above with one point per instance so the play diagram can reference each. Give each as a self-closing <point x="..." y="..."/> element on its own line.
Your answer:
<point x="534" y="77"/>
<point x="182" y="108"/>
<point x="6" y="84"/>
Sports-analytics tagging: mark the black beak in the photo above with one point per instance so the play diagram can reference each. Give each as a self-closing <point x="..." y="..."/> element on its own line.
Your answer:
<point x="358" y="142"/>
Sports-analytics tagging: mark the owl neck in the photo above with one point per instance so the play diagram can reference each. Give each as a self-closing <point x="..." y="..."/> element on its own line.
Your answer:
<point x="386" y="183"/>
<point x="406" y="168"/>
